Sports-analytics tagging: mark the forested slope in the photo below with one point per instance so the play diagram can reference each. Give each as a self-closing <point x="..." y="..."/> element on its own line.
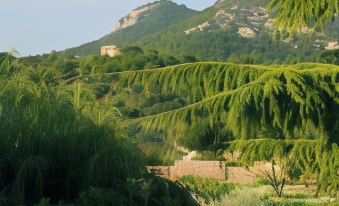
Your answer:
<point x="151" y="18"/>
<point x="234" y="30"/>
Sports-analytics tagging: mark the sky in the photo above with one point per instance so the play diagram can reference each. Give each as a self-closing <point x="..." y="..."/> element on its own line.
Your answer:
<point x="40" y="26"/>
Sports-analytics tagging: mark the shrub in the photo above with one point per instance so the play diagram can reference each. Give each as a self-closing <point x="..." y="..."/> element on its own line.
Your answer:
<point x="244" y="196"/>
<point x="208" y="189"/>
<point x="148" y="190"/>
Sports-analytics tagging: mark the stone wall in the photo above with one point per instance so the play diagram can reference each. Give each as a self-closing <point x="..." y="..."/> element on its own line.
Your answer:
<point x="211" y="169"/>
<point x="239" y="175"/>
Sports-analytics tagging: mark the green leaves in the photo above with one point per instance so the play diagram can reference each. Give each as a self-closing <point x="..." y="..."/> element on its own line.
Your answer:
<point x="209" y="190"/>
<point x="294" y="15"/>
<point x="282" y="102"/>
<point x="51" y="137"/>
<point x="310" y="157"/>
<point x="249" y="101"/>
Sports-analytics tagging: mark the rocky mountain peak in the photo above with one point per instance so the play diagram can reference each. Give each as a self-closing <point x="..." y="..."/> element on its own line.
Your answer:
<point x="133" y="17"/>
<point x="141" y="13"/>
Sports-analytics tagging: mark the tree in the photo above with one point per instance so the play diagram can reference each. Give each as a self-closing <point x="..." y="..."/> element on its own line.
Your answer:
<point x="189" y="58"/>
<point x="251" y="102"/>
<point x="132" y="50"/>
<point x="281" y="104"/>
<point x="293" y="15"/>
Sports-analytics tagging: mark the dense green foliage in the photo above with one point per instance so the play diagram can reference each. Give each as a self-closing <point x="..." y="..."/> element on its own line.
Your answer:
<point x="76" y="129"/>
<point x="131" y="58"/>
<point x="228" y="101"/>
<point x="224" y="102"/>
<point x="250" y="101"/>
<point x="47" y="140"/>
<point x="150" y="190"/>
<point x="246" y="102"/>
<point x="57" y="141"/>
<point x="209" y="190"/>
<point x="314" y="13"/>
<point x="131" y="102"/>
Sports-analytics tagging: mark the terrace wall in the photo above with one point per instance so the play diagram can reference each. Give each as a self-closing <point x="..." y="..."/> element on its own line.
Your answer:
<point x="211" y="169"/>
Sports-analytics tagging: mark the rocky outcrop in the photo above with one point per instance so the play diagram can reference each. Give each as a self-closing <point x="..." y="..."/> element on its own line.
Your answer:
<point x="246" y="32"/>
<point x="133" y="17"/>
<point x="223" y="14"/>
<point x="200" y="27"/>
<point x="250" y="19"/>
<point x="247" y="20"/>
<point x="269" y="24"/>
<point x="332" y="45"/>
<point x="111" y="51"/>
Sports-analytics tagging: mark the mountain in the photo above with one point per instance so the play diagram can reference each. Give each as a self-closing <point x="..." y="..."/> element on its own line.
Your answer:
<point x="241" y="31"/>
<point x="143" y="21"/>
<point x="237" y="30"/>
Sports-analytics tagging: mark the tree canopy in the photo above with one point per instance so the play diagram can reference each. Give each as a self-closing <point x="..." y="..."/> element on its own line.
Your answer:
<point x="293" y="15"/>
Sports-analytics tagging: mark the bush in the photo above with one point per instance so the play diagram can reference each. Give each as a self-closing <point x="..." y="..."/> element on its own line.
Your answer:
<point x="244" y="196"/>
<point x="208" y="189"/>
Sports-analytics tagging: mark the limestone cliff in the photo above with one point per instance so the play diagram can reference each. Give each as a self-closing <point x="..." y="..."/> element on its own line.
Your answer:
<point x="135" y="16"/>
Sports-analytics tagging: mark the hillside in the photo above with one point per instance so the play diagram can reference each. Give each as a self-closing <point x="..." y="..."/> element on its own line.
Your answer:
<point x="143" y="21"/>
<point x="240" y="31"/>
<point x="236" y="30"/>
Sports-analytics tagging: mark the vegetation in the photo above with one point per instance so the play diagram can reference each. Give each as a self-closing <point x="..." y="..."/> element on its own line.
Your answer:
<point x="131" y="102"/>
<point x="234" y="103"/>
<point x="315" y="13"/>
<point x="75" y="130"/>
<point x="244" y="196"/>
<point x="209" y="190"/>
<point x="131" y="58"/>
<point x="262" y="195"/>
<point x="57" y="141"/>
<point x="306" y="93"/>
<point x="164" y="30"/>
<point x="165" y="14"/>
<point x="281" y="102"/>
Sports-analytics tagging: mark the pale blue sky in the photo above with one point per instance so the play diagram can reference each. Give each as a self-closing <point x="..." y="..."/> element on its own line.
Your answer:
<point x="39" y="26"/>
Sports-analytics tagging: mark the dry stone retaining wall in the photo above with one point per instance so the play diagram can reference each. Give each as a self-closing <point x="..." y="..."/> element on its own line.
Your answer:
<point x="211" y="169"/>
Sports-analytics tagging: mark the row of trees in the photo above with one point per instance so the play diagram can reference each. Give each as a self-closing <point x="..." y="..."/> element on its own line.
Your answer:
<point x="131" y="58"/>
